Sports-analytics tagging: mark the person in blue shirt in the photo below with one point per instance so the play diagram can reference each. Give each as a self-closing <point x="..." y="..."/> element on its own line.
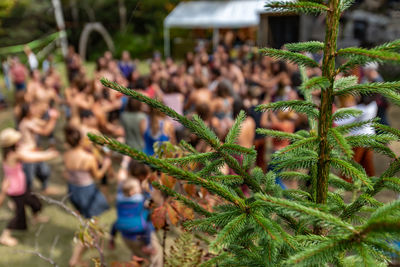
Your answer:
<point x="126" y="65"/>
<point x="134" y="195"/>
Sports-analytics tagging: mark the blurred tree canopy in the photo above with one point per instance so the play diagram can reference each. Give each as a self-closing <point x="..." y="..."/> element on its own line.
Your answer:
<point x="26" y="20"/>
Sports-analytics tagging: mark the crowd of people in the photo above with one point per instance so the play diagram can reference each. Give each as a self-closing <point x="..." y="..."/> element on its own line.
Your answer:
<point x="215" y="86"/>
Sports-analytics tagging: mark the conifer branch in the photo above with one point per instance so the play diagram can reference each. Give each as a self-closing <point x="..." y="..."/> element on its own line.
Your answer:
<point x="167" y="168"/>
<point x="393" y="46"/>
<point x="230" y="231"/>
<point x="370" y="88"/>
<point x="378" y="55"/>
<point x="359" y="202"/>
<point x="299" y="106"/>
<point x="318" y="254"/>
<point x="342" y="142"/>
<point x="297" y="58"/>
<point x="234" y="132"/>
<point x="345" y="82"/>
<point x="188" y="202"/>
<point x="311" y="46"/>
<point x="297" y="145"/>
<point x="315" y="83"/>
<point x="304" y="210"/>
<point x="351" y="172"/>
<point x="185" y="160"/>
<point x="298" y="7"/>
<point x="279" y="134"/>
<point x="197" y="126"/>
<point x="387" y="130"/>
<point x="345" y="4"/>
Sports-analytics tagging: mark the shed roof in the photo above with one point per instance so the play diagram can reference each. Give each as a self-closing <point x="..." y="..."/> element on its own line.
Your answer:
<point x="216" y="14"/>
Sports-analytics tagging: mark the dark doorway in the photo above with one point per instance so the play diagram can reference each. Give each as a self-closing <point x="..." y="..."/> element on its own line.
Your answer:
<point x="283" y="29"/>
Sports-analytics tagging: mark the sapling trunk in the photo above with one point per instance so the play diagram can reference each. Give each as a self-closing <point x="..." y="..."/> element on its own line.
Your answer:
<point x="325" y="117"/>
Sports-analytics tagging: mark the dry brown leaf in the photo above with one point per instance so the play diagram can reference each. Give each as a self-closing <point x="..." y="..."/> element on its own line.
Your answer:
<point x="190" y="189"/>
<point x="158" y="217"/>
<point x="172" y="214"/>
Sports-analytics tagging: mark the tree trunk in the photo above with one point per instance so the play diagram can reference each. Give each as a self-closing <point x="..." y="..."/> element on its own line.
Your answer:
<point x="122" y="14"/>
<point x="325" y="118"/>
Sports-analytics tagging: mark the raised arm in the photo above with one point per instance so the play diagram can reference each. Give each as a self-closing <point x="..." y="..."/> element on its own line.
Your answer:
<point x="94" y="169"/>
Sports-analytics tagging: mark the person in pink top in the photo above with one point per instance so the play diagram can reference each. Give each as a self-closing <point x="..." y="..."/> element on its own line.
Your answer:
<point x="19" y="74"/>
<point x="14" y="183"/>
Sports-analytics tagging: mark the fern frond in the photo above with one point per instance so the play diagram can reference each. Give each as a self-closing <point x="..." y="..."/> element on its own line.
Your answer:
<point x="297" y="58"/>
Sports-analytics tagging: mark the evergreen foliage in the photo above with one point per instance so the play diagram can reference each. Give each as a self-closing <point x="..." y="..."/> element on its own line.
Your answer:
<point x="309" y="226"/>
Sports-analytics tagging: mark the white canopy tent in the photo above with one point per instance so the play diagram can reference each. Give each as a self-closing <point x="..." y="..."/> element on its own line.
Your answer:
<point x="214" y="15"/>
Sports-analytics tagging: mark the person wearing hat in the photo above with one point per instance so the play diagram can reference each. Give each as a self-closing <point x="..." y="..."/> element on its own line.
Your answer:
<point x="31" y="127"/>
<point x="14" y="182"/>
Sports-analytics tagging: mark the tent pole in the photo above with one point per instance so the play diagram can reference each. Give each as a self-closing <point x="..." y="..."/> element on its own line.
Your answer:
<point x="167" y="50"/>
<point x="215" y="38"/>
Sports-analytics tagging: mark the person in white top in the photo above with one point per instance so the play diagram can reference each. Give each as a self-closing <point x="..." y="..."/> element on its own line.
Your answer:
<point x="32" y="60"/>
<point x="364" y="156"/>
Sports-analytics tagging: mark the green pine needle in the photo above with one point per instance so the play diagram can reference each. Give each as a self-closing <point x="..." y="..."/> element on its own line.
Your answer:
<point x="298" y="7"/>
<point x="297" y="58"/>
<point x="299" y="106"/>
<point x="311" y="46"/>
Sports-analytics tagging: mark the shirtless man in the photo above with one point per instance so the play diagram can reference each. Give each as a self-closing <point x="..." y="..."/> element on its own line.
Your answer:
<point x="40" y="94"/>
<point x="31" y="126"/>
<point x="201" y="95"/>
<point x="101" y="108"/>
<point x="247" y="134"/>
<point x="78" y="99"/>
